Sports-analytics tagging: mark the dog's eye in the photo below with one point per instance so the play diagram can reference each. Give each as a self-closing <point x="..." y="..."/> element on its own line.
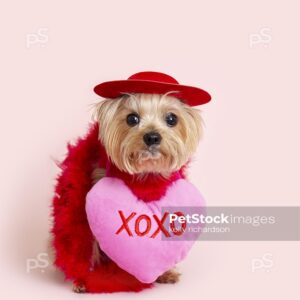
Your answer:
<point x="171" y="119"/>
<point x="133" y="119"/>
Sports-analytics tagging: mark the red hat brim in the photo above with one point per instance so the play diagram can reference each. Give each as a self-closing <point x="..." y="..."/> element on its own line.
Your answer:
<point x="192" y="96"/>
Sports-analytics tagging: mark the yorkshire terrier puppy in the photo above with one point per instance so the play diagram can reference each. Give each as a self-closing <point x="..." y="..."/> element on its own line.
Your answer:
<point x="144" y="139"/>
<point x="148" y="133"/>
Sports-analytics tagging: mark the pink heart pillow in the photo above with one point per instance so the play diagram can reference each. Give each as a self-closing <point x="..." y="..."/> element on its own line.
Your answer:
<point x="141" y="255"/>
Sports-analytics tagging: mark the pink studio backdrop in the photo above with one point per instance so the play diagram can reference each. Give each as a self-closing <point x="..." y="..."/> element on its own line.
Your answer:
<point x="245" y="53"/>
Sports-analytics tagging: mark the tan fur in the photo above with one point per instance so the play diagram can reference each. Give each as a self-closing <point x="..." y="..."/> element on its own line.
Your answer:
<point x="170" y="276"/>
<point x="80" y="289"/>
<point x="97" y="175"/>
<point x="124" y="144"/>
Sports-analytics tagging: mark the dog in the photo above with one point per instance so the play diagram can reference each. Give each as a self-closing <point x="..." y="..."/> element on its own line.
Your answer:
<point x="142" y="138"/>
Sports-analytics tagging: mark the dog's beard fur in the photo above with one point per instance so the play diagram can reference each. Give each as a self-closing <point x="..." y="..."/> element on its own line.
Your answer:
<point x="125" y="145"/>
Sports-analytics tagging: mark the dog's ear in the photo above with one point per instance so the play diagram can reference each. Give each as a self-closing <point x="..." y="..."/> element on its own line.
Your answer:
<point x="102" y="109"/>
<point x="106" y="110"/>
<point x="192" y="129"/>
<point x="105" y="113"/>
<point x="196" y="122"/>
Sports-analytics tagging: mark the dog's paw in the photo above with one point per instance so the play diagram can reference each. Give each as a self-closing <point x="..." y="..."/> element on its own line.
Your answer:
<point x="170" y="276"/>
<point x="79" y="289"/>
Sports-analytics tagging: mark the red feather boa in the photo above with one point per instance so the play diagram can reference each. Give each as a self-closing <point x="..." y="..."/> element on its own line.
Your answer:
<point x="73" y="239"/>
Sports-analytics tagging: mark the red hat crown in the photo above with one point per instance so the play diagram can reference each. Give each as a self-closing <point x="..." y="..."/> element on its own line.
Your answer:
<point x="153" y="76"/>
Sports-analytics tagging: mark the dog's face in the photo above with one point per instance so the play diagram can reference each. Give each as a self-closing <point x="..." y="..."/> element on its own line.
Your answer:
<point x="145" y="133"/>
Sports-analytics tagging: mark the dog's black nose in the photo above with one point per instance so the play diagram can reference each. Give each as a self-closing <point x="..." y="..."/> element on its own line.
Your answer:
<point x="152" y="138"/>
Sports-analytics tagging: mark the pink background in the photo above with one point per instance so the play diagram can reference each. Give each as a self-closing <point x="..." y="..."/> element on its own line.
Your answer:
<point x="246" y="53"/>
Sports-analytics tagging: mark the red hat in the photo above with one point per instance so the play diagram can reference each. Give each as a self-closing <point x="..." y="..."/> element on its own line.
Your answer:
<point x="153" y="83"/>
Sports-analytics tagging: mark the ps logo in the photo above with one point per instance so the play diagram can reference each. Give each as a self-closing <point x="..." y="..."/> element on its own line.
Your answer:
<point x="265" y="263"/>
<point x="262" y="37"/>
<point x="40" y="38"/>
<point x="40" y="262"/>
